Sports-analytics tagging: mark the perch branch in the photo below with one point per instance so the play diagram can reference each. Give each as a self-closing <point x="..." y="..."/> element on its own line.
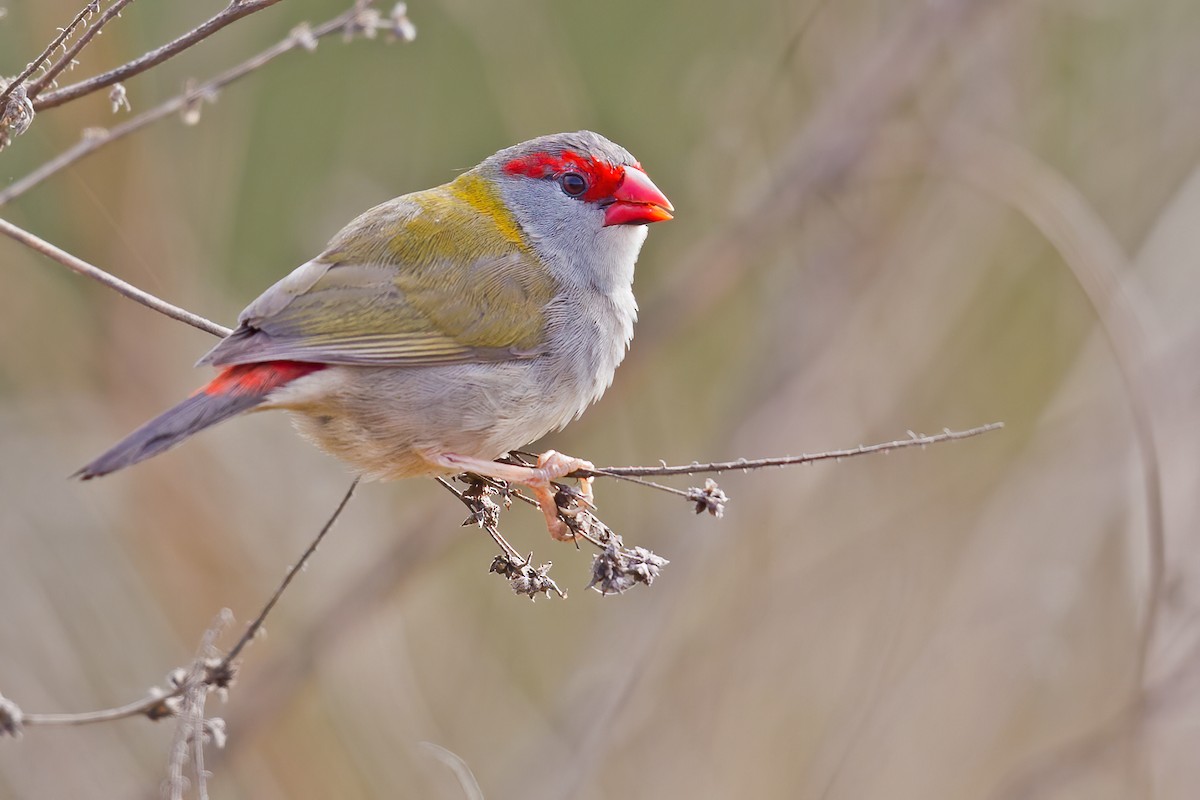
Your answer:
<point x="914" y="440"/>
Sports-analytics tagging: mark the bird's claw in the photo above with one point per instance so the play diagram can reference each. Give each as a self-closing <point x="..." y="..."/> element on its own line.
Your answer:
<point x="551" y="466"/>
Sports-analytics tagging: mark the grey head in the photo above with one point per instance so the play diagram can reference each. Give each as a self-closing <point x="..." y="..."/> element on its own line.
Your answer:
<point x="582" y="201"/>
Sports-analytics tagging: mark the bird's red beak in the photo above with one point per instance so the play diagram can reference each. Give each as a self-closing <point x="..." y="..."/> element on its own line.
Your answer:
<point x="637" y="201"/>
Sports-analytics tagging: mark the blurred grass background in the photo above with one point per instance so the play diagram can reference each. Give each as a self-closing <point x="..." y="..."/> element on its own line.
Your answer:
<point x="962" y="622"/>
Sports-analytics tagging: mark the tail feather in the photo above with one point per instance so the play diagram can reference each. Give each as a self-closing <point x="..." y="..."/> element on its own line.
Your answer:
<point x="236" y="389"/>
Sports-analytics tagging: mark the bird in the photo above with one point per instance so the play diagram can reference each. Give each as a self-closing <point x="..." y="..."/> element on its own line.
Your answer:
<point x="445" y="328"/>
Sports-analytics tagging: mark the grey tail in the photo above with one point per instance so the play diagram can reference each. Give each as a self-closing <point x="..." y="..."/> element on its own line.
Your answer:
<point x="236" y="389"/>
<point x="167" y="430"/>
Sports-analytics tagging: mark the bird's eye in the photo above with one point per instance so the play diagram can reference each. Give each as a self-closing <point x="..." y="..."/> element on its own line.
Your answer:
<point x="573" y="184"/>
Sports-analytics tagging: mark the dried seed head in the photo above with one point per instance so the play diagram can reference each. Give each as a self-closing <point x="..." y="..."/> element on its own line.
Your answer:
<point x="524" y="578"/>
<point x="484" y="510"/>
<point x="507" y="565"/>
<point x="616" y="570"/>
<point x="166" y="707"/>
<point x="218" y="674"/>
<point x="17" y="115"/>
<point x="711" y="498"/>
<point x="532" y="582"/>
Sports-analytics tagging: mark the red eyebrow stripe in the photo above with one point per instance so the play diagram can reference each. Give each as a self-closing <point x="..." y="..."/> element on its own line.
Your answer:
<point x="603" y="178"/>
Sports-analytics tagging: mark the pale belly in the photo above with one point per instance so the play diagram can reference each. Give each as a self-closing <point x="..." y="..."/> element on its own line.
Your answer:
<point x="389" y="423"/>
<point x="392" y="422"/>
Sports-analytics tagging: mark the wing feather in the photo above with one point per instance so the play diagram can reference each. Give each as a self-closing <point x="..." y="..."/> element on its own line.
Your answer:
<point x="437" y="277"/>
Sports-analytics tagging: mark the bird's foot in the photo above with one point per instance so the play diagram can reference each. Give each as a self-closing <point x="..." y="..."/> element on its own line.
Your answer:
<point x="551" y="466"/>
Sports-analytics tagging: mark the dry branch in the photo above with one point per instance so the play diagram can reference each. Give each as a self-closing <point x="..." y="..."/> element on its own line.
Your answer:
<point x="64" y="33"/>
<point x="913" y="440"/>
<point x="354" y="19"/>
<point x="81" y="267"/>
<point x="67" y="59"/>
<point x="207" y="672"/>
<point x="232" y="13"/>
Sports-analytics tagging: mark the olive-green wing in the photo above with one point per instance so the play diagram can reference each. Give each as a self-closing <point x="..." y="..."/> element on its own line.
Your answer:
<point x="393" y="289"/>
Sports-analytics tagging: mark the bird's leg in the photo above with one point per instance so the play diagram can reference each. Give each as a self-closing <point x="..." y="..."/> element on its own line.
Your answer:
<point x="551" y="466"/>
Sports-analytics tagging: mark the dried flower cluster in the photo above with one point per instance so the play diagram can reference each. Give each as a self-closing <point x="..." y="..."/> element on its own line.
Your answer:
<point x="615" y="569"/>
<point x="524" y="578"/>
<point x="711" y="498"/>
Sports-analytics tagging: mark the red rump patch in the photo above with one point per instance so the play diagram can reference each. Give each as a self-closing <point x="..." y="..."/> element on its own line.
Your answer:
<point x="603" y="178"/>
<point x="255" y="379"/>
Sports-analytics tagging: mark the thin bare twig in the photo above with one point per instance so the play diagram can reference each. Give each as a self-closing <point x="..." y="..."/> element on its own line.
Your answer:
<point x="158" y="703"/>
<point x="232" y="13"/>
<point x="94" y="138"/>
<point x="90" y="8"/>
<point x="87" y="270"/>
<point x="743" y="464"/>
<point x="152" y="705"/>
<point x="254" y="627"/>
<point x="69" y="56"/>
<point x="265" y="692"/>
<point x="216" y="673"/>
<point x="643" y="482"/>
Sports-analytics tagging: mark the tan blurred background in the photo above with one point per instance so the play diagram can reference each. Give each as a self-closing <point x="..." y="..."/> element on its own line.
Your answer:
<point x="883" y="211"/>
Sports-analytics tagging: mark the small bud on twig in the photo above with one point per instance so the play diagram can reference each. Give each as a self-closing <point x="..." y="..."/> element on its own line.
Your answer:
<point x="302" y="34"/>
<point x="402" y="27"/>
<point x="119" y="98"/>
<point x="213" y="730"/>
